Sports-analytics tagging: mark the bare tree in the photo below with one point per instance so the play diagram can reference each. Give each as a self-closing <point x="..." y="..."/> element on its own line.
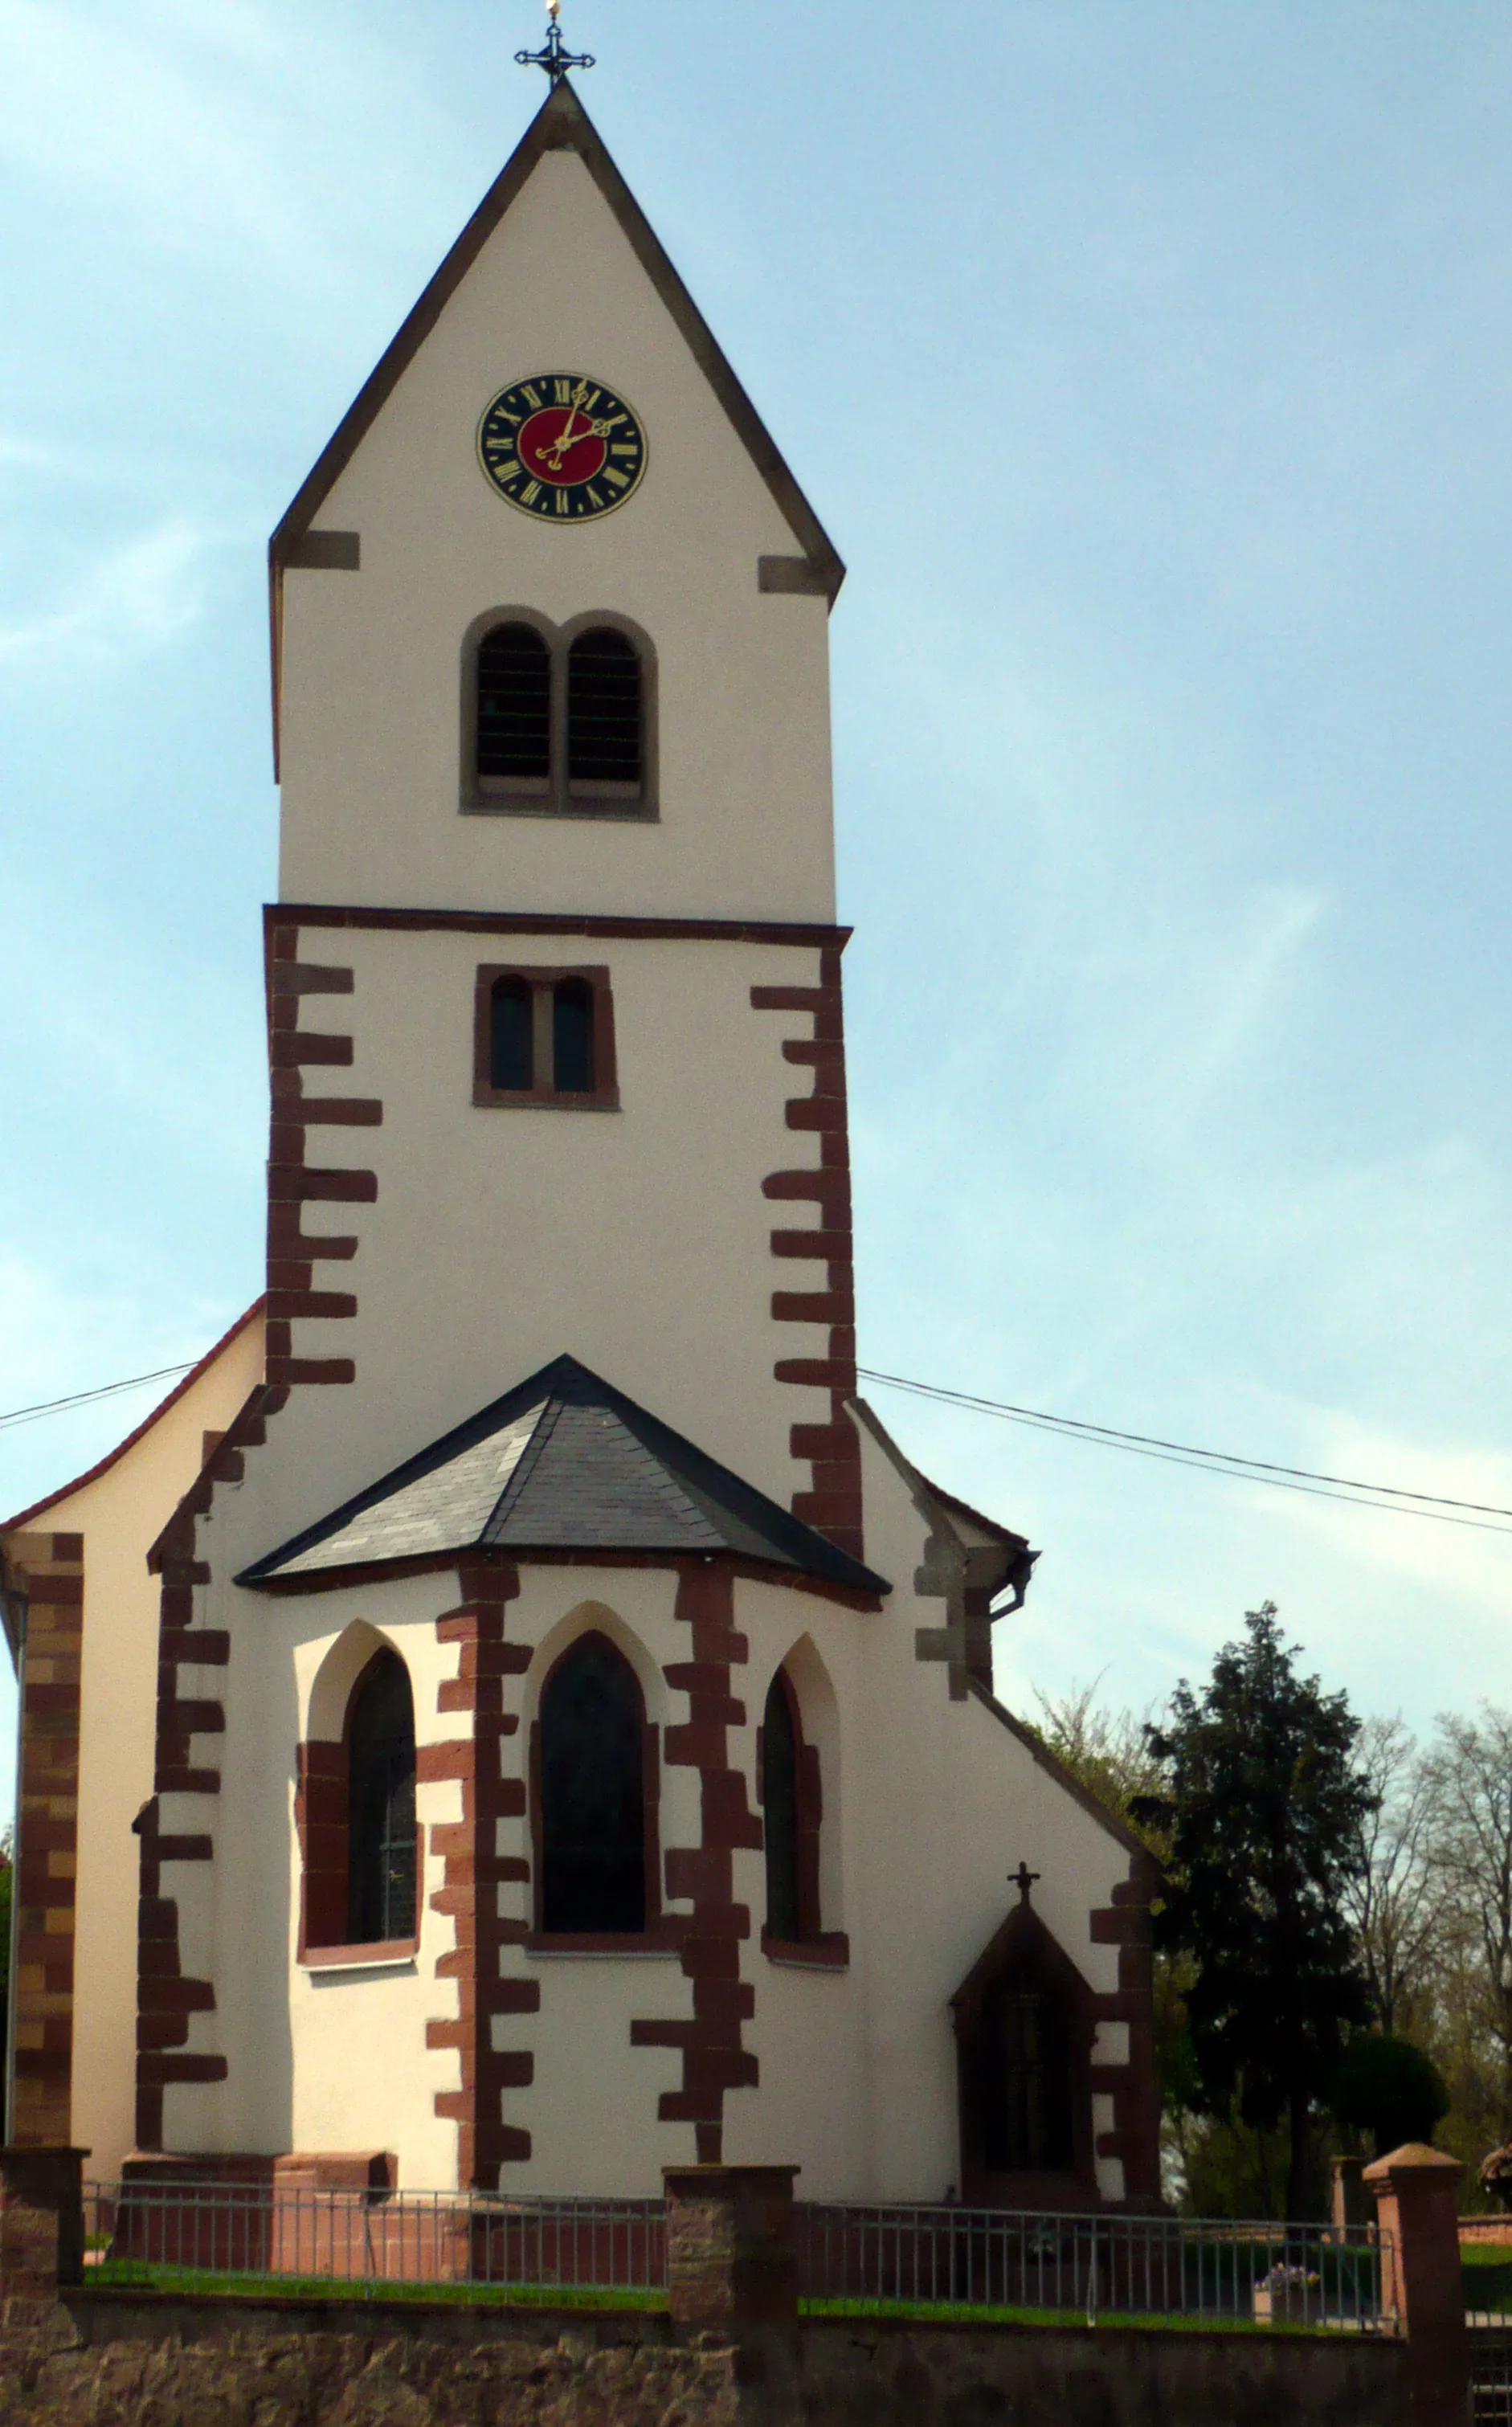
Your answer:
<point x="1395" y="1900"/>
<point x="1469" y="1779"/>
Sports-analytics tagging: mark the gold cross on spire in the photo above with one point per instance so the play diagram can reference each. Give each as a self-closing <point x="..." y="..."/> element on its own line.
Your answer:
<point x="554" y="58"/>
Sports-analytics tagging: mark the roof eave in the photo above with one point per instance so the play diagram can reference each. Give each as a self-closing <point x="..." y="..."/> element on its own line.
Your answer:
<point x="378" y="1571"/>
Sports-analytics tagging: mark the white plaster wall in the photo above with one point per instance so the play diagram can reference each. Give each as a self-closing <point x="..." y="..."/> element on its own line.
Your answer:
<point x="936" y="1802"/>
<point x="120" y="1515"/>
<point x="810" y="2028"/>
<point x="948" y="1803"/>
<point x="592" y="2109"/>
<point x="638" y="1240"/>
<point x="312" y="2064"/>
<point x="371" y="660"/>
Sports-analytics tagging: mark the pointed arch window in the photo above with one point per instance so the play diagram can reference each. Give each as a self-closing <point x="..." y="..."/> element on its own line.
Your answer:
<point x="791" y="1816"/>
<point x="559" y="722"/>
<point x="381" y="1835"/>
<point x="360" y="1842"/>
<point x="595" y="1763"/>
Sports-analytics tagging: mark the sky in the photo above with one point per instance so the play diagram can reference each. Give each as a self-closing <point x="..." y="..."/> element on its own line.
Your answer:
<point x="1149" y="365"/>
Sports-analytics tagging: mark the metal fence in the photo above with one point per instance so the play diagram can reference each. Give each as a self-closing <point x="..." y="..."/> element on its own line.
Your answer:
<point x="1490" y="2376"/>
<point x="222" y="2236"/>
<point x="1098" y="2267"/>
<point x="232" y="2237"/>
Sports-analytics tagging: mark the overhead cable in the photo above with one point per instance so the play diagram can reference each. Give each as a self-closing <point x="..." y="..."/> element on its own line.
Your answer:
<point x="85" y="1398"/>
<point x="1395" y="1499"/>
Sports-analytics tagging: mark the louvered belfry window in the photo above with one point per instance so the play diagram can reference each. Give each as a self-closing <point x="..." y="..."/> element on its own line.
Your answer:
<point x="514" y="709"/>
<point x="605" y="740"/>
<point x="559" y="726"/>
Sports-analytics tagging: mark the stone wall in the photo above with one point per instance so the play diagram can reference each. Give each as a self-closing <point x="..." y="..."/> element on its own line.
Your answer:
<point x="116" y="2359"/>
<point x="120" y="2360"/>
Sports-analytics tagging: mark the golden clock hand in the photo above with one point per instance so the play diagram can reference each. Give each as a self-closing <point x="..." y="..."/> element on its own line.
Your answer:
<point x="567" y="437"/>
<point x="562" y="443"/>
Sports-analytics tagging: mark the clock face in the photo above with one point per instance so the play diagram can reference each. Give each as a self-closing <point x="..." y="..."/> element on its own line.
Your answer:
<point x="562" y="447"/>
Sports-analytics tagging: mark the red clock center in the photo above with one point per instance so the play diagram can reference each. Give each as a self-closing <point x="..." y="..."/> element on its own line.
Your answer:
<point x="542" y="454"/>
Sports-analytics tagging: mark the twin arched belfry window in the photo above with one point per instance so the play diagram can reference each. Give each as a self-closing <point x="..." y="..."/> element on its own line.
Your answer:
<point x="560" y="726"/>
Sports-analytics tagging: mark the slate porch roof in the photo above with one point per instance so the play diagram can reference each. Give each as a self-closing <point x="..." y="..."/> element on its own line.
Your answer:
<point x="562" y="1463"/>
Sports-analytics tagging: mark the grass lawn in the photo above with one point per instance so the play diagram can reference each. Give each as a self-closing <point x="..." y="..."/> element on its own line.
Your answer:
<point x="964" y="2313"/>
<point x="131" y="2276"/>
<point x="1486" y="2272"/>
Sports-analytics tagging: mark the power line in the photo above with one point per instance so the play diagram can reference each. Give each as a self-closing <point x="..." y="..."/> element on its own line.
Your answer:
<point x="85" y="1398"/>
<point x="1393" y="1499"/>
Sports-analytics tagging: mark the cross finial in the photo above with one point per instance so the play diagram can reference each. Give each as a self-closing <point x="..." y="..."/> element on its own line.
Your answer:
<point x="1023" y="1879"/>
<point x="554" y="58"/>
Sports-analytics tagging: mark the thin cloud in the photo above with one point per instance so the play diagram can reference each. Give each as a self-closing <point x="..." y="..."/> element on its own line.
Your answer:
<point x="132" y="601"/>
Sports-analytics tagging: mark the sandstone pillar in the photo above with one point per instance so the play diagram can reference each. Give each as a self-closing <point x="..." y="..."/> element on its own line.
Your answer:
<point x="41" y="2223"/>
<point x="732" y="2261"/>
<point x="1415" y="2190"/>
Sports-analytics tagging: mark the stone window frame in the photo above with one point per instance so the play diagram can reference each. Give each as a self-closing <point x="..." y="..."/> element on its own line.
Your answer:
<point x="662" y="1934"/>
<point x="542" y="1096"/>
<point x="495" y="796"/>
<point x="324" y="1767"/>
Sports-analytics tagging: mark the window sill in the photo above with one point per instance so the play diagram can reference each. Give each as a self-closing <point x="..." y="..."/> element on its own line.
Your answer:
<point x="660" y="1942"/>
<point x="830" y="1952"/>
<point x="378" y="1955"/>
<point x="633" y="813"/>
<point x="501" y="1099"/>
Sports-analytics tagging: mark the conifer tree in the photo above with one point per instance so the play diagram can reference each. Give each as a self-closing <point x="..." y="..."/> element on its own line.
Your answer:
<point x="1264" y="1804"/>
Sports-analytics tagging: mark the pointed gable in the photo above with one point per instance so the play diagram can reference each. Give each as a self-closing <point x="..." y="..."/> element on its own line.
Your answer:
<point x="401" y="553"/>
<point x="562" y="124"/>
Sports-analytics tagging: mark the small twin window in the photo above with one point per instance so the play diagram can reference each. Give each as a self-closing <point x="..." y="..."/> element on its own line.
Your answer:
<point x="563" y="727"/>
<point x="544" y="1037"/>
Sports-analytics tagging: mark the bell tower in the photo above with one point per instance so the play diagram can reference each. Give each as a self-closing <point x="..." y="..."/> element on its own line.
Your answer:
<point x="554" y="973"/>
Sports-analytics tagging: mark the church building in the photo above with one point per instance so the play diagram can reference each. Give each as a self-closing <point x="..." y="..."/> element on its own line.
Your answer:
<point x="513" y="1718"/>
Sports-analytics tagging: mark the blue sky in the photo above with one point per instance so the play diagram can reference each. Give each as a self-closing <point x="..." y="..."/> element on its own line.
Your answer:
<point x="1150" y="366"/>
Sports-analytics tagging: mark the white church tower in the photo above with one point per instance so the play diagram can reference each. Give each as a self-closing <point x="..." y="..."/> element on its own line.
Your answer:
<point x="564" y="1744"/>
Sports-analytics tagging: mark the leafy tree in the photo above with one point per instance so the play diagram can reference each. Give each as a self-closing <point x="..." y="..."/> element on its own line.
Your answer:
<point x="1264" y="1805"/>
<point x="1107" y="1753"/>
<point x="1390" y="2089"/>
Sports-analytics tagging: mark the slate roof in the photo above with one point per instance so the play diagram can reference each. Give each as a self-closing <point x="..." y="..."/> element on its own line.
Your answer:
<point x="562" y="1463"/>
